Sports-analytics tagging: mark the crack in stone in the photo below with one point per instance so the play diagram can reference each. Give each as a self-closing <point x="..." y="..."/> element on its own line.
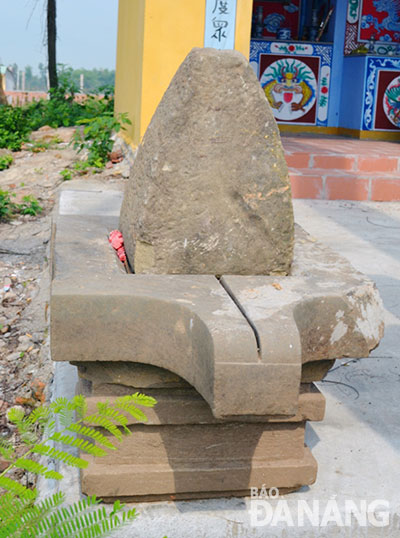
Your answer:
<point x="244" y="314"/>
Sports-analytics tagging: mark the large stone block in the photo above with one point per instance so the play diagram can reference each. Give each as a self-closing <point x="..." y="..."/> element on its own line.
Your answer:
<point x="209" y="191"/>
<point x="182" y="450"/>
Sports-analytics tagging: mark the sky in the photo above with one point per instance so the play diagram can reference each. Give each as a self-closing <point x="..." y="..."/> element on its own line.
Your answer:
<point x="87" y="33"/>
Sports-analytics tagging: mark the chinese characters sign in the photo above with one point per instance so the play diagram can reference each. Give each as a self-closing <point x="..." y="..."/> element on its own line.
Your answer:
<point x="220" y="24"/>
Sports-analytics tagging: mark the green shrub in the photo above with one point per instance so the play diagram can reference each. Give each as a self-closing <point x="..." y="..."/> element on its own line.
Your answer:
<point x="66" y="174"/>
<point x="5" y="161"/>
<point x="20" y="515"/>
<point x="7" y="206"/>
<point x="14" y="127"/>
<point x="96" y="136"/>
<point x="9" y="209"/>
<point x="29" y="206"/>
<point x="61" y="110"/>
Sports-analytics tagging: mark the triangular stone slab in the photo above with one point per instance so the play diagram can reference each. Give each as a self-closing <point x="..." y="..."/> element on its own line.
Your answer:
<point x="209" y="191"/>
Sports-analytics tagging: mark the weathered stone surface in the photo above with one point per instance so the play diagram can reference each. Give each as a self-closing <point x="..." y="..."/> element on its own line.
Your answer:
<point x="325" y="309"/>
<point x="209" y="190"/>
<point x="128" y="374"/>
<point x="186" y="406"/>
<point x="182" y="440"/>
<point x="316" y="370"/>
<point x="197" y="459"/>
<point x="242" y="350"/>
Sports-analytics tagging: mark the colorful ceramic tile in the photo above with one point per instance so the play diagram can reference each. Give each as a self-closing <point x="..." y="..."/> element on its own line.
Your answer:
<point x="382" y="94"/>
<point x="295" y="78"/>
<point x="378" y="19"/>
<point x="290" y="85"/>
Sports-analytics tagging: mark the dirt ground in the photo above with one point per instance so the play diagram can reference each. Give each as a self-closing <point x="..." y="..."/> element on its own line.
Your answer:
<point x="25" y="364"/>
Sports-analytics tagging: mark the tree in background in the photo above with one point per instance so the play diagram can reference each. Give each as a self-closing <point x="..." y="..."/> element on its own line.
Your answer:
<point x="3" y="98"/>
<point x="51" y="42"/>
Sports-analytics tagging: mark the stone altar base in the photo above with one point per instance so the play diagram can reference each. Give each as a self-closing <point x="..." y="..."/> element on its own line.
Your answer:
<point x="229" y="360"/>
<point x="183" y="452"/>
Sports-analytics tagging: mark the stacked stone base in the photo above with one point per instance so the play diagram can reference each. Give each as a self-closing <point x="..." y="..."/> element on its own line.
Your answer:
<point x="183" y="452"/>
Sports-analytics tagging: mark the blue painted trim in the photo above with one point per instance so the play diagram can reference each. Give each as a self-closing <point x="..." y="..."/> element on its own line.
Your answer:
<point x="339" y="15"/>
<point x="374" y="65"/>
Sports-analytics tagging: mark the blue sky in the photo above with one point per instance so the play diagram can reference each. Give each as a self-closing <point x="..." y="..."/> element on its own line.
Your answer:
<point x="87" y="33"/>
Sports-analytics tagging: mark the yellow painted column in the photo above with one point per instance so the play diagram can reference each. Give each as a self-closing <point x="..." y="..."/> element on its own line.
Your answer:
<point x="154" y="37"/>
<point x="128" y="75"/>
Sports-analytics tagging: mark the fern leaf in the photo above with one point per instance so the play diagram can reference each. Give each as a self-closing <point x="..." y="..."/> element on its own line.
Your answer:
<point x="86" y="446"/>
<point x="25" y="429"/>
<point x="37" y="468"/>
<point x="81" y="521"/>
<point x="23" y="516"/>
<point x="13" y="512"/>
<point x="49" y="503"/>
<point x="39" y="415"/>
<point x="93" y="434"/>
<point x="139" y="399"/>
<point x="105" y="410"/>
<point x="79" y="403"/>
<point x="132" y="410"/>
<point x="59" y="403"/>
<point x="60" y="455"/>
<point x="105" y="423"/>
<point x="15" y="414"/>
<point x="64" y="409"/>
<point x="6" y="450"/>
<point x="15" y="487"/>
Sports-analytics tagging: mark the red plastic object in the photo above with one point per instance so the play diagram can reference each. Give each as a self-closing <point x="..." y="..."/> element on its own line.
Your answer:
<point x="117" y="242"/>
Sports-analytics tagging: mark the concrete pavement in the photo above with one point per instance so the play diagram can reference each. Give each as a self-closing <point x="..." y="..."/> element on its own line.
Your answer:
<point x="357" y="446"/>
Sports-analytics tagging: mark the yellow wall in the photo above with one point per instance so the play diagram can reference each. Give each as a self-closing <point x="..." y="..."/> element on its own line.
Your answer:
<point x="128" y="76"/>
<point x="172" y="29"/>
<point x="154" y="37"/>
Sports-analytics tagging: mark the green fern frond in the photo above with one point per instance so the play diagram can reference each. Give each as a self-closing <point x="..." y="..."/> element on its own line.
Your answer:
<point x="132" y="410"/>
<point x="126" y="404"/>
<point x="15" y="414"/>
<point x="37" y="468"/>
<point x="22" y="517"/>
<point x="105" y="410"/>
<point x="12" y="512"/>
<point x="65" y="409"/>
<point x="39" y="415"/>
<point x="60" y="455"/>
<point x="138" y="399"/>
<point x="15" y="487"/>
<point x="82" y="444"/>
<point x="59" y="403"/>
<point x="66" y="417"/>
<point x="81" y="521"/>
<point x="25" y="428"/>
<point x="93" y="434"/>
<point x="6" y="450"/>
<point x="80" y="405"/>
<point x="105" y="423"/>
<point x="51" y="502"/>
<point x="19" y="515"/>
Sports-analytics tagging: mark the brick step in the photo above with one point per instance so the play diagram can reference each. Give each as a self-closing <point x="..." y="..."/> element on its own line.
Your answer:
<point x="349" y="162"/>
<point x="328" y="184"/>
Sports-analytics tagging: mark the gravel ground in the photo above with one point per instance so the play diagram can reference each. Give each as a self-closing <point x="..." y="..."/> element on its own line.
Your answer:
<point x="26" y="369"/>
